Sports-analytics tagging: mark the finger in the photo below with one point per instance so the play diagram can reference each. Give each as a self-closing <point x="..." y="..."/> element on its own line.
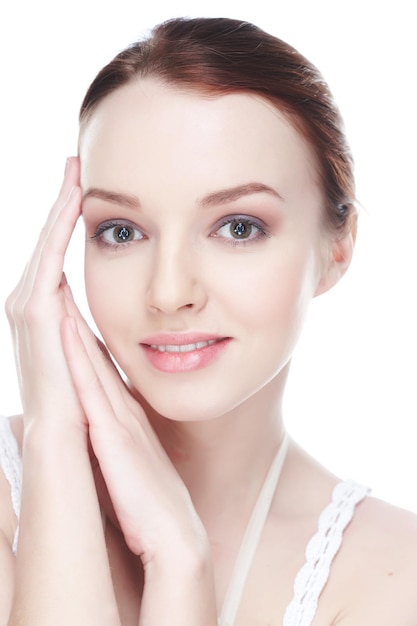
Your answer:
<point x="116" y="388"/>
<point x="32" y="301"/>
<point x="123" y="404"/>
<point x="94" y="397"/>
<point x="95" y="348"/>
<point x="24" y="287"/>
<point x="71" y="180"/>
<point x="48" y="273"/>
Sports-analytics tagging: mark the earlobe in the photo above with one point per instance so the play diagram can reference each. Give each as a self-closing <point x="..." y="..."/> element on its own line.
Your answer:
<point x="338" y="258"/>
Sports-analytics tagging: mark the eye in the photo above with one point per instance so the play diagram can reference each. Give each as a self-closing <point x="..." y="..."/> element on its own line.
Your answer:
<point x="121" y="234"/>
<point x="117" y="233"/>
<point x="240" y="229"/>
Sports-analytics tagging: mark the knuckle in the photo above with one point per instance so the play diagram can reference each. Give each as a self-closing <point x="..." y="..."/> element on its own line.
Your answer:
<point x="9" y="306"/>
<point x="125" y="436"/>
<point x="12" y="306"/>
<point x="44" y="232"/>
<point x="89" y="383"/>
<point x="32" y="312"/>
<point x="20" y="309"/>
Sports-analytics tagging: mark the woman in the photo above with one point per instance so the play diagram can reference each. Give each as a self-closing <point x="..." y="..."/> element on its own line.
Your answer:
<point x="217" y="192"/>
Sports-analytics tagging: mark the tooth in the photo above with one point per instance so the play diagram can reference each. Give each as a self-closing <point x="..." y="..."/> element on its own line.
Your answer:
<point x="184" y="347"/>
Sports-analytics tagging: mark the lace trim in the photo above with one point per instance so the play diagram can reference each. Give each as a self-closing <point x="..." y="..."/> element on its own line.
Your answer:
<point x="11" y="464"/>
<point x="320" y="552"/>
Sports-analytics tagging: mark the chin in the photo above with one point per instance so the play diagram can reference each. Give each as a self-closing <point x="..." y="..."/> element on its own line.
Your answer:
<point x="183" y="409"/>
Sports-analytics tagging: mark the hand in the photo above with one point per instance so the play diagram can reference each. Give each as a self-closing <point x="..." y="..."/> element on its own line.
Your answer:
<point x="35" y="311"/>
<point x="62" y="567"/>
<point x="151" y="503"/>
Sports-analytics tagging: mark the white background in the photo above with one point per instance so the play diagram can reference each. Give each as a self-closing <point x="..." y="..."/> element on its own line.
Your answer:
<point x="352" y="393"/>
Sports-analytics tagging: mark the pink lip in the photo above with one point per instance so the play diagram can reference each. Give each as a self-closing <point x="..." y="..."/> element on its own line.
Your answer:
<point x="183" y="361"/>
<point x="178" y="339"/>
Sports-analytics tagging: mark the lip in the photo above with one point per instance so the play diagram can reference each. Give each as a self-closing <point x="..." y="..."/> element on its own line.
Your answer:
<point x="179" y="339"/>
<point x="183" y="352"/>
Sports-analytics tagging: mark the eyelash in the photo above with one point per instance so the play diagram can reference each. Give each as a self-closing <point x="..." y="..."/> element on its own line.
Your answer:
<point x="239" y="219"/>
<point x="261" y="234"/>
<point x="98" y="238"/>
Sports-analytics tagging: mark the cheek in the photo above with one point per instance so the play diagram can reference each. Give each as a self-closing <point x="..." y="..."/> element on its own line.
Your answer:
<point x="259" y="292"/>
<point x="112" y="293"/>
<point x="272" y="291"/>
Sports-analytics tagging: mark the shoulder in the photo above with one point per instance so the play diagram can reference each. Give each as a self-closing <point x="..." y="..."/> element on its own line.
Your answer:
<point x="386" y="533"/>
<point x="16" y="425"/>
<point x="11" y="431"/>
<point x="376" y="571"/>
<point x="373" y="577"/>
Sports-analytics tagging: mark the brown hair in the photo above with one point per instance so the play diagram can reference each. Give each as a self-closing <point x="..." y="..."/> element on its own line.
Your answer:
<point x="216" y="56"/>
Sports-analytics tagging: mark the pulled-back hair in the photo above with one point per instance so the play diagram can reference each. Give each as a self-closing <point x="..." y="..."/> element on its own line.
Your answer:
<point x="218" y="56"/>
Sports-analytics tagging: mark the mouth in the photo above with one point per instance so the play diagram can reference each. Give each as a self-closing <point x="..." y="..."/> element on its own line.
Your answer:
<point x="187" y="347"/>
<point x="176" y="353"/>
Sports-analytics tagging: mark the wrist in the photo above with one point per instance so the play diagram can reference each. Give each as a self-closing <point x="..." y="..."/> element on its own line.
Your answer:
<point x="52" y="437"/>
<point x="189" y="549"/>
<point x="179" y="587"/>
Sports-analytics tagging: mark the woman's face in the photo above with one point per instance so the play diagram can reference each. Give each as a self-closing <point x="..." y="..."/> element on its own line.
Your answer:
<point x="204" y="243"/>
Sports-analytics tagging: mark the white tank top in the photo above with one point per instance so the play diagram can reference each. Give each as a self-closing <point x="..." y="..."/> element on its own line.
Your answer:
<point x="320" y="551"/>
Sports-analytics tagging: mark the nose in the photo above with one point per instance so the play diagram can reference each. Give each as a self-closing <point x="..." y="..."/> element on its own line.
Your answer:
<point x="175" y="281"/>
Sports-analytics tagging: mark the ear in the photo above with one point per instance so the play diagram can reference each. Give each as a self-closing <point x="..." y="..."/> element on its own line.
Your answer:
<point x="337" y="257"/>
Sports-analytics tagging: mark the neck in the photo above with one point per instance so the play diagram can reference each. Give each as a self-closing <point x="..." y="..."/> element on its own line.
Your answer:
<point x="224" y="461"/>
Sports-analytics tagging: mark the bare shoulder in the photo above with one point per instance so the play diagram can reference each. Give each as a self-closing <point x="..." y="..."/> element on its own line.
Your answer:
<point x="8" y="524"/>
<point x="8" y="520"/>
<point x="376" y="569"/>
<point x="386" y="533"/>
<point x="7" y="517"/>
<point x="16" y="423"/>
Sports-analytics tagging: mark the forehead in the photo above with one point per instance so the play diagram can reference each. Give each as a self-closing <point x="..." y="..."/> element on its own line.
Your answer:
<point x="147" y="130"/>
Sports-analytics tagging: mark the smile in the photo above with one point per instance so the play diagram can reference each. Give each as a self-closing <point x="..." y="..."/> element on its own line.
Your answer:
<point x="177" y="354"/>
<point x="189" y="347"/>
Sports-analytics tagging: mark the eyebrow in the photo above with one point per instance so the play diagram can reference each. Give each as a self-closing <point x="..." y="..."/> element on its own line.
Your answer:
<point x="234" y="193"/>
<point x="127" y="200"/>
<point x="216" y="198"/>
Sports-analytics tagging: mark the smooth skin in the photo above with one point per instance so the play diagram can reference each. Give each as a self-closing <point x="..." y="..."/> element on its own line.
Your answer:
<point x="178" y="481"/>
